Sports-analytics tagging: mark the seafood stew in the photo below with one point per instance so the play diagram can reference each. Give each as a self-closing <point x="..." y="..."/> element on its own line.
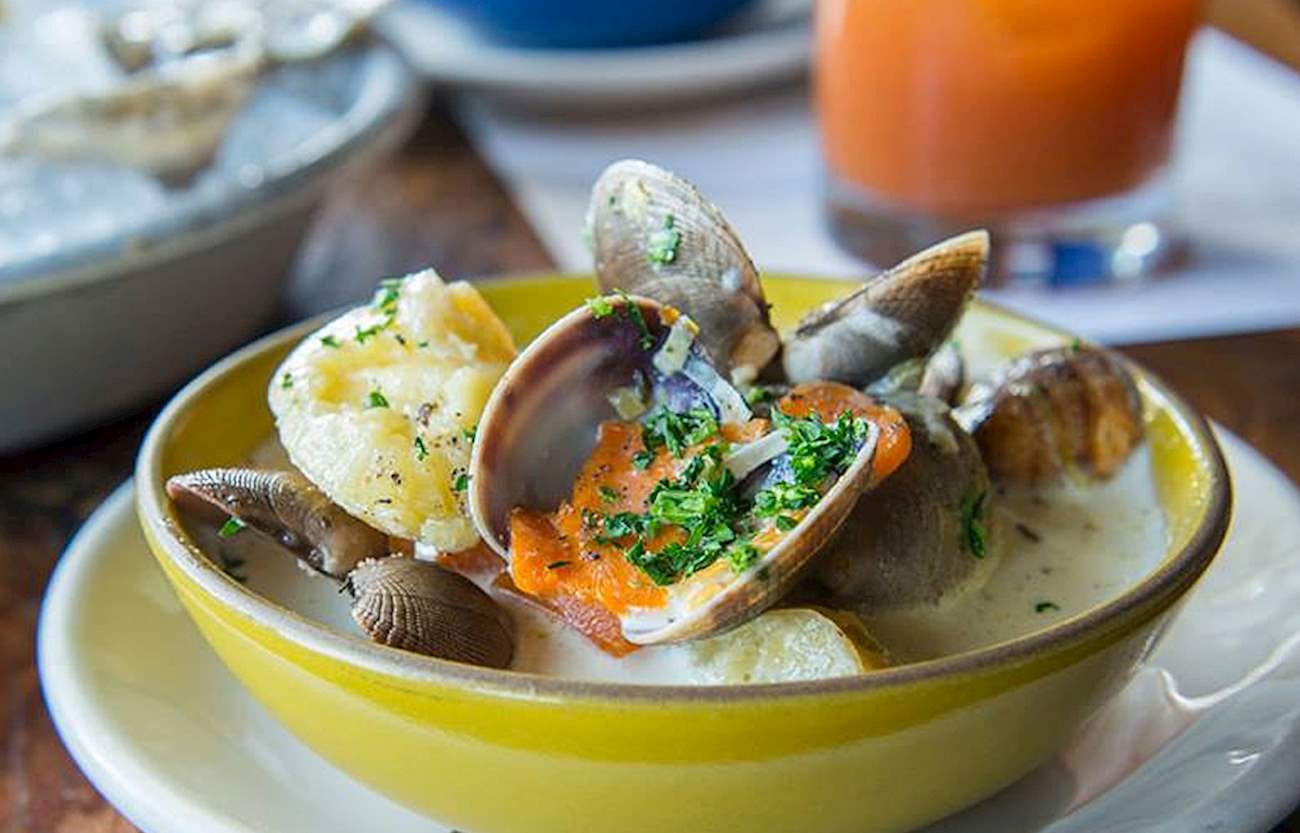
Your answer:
<point x="649" y="512"/>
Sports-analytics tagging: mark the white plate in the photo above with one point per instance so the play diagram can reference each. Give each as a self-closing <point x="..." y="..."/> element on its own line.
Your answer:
<point x="772" y="42"/>
<point x="1207" y="738"/>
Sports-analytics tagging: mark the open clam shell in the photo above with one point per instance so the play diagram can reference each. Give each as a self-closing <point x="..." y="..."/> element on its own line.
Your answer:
<point x="903" y="313"/>
<point x="654" y="234"/>
<point x="541" y="424"/>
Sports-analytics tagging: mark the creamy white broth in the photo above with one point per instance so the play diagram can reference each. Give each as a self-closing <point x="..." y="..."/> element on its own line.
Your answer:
<point x="1062" y="549"/>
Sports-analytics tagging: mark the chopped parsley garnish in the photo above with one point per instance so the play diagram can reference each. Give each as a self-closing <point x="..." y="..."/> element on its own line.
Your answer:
<point x="400" y="339"/>
<point x="329" y="341"/>
<point x="555" y="565"/>
<point x="363" y="333"/>
<point x="621" y="525"/>
<point x="375" y="399"/>
<point x="604" y="306"/>
<point x="759" y="394"/>
<point x="741" y="555"/>
<point x="607" y="494"/>
<point x="600" y="306"/>
<point x="424" y="343"/>
<point x="661" y="247"/>
<point x="1043" y="607"/>
<point x="666" y="428"/>
<point x="642" y="460"/>
<point x="388" y="294"/>
<point x="784" y="497"/>
<point x="469" y="433"/>
<point x="973" y="528"/>
<point x="231" y="527"/>
<point x="286" y="380"/>
<point x="633" y="314"/>
<point x="819" y="449"/>
<point x="703" y="500"/>
<point x="461" y="483"/>
<point x="421" y="450"/>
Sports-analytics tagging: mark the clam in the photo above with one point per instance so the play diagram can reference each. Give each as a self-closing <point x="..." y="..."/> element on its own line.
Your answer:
<point x="285" y="506"/>
<point x="902" y="314"/>
<point x="421" y="607"/>
<point x="923" y="533"/>
<point x="1054" y="411"/>
<point x="654" y="234"/>
<point x="397" y="601"/>
<point x="944" y="374"/>
<point x="540" y="426"/>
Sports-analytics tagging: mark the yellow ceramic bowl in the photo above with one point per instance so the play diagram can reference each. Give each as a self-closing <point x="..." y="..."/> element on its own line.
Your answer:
<point x="504" y="752"/>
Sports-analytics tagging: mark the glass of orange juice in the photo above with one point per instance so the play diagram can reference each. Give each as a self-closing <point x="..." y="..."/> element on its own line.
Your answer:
<point x="1047" y="121"/>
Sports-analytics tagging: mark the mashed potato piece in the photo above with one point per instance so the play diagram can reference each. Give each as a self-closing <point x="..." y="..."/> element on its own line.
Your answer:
<point x="378" y="407"/>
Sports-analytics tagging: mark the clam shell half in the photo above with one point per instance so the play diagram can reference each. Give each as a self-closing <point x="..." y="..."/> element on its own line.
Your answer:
<point x="540" y="425"/>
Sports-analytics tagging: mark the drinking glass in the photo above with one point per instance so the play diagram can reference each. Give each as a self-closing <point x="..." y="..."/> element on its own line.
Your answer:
<point x="1047" y="121"/>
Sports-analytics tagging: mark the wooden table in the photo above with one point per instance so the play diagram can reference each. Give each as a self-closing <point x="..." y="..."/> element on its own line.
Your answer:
<point x="435" y="203"/>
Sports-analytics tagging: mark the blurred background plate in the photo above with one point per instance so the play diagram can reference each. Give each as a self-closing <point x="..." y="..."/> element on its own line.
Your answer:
<point x="766" y="43"/>
<point x="115" y="287"/>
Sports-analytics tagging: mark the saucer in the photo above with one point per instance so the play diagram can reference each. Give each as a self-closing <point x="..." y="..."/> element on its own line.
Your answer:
<point x="769" y="43"/>
<point x="1206" y="737"/>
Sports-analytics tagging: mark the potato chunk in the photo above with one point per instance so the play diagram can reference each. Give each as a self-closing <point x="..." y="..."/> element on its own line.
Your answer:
<point x="377" y="408"/>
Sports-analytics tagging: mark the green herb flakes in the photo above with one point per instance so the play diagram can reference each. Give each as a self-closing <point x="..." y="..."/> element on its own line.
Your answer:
<point x="388" y="294"/>
<point x="1044" y="607"/>
<point x="421" y="450"/>
<point x="632" y="311"/>
<point x="461" y="483"/>
<point x="819" y="449"/>
<point x="742" y="556"/>
<point x="608" y="495"/>
<point x="555" y="565"/>
<point x="665" y="428"/>
<point x="375" y="399"/>
<point x="330" y="341"/>
<point x="286" y="380"/>
<point x="231" y="527"/>
<point x="974" y="528"/>
<point x="600" y="306"/>
<point x="661" y="246"/>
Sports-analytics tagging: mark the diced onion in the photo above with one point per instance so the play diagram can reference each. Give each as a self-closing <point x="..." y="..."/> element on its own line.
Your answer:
<point x="676" y="347"/>
<point x="747" y="458"/>
<point x="627" y="402"/>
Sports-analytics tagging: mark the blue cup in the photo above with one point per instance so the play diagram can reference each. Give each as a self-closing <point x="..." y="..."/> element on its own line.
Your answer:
<point x="591" y="23"/>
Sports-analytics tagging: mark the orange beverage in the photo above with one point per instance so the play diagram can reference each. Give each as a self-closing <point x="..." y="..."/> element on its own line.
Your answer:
<point x="963" y="107"/>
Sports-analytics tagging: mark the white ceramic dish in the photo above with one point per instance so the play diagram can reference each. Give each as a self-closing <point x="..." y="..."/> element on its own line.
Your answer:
<point x="93" y="328"/>
<point x="770" y="43"/>
<point x="1207" y="738"/>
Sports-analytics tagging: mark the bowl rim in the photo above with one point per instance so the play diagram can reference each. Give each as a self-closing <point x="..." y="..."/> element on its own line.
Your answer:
<point x="1168" y="581"/>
